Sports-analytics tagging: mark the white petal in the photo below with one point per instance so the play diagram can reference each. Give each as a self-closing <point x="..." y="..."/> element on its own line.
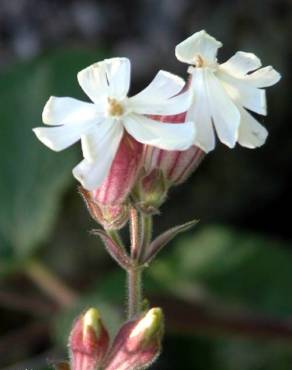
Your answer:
<point x="263" y="77"/>
<point x="241" y="63"/>
<point x="200" y="114"/>
<point x="200" y="43"/>
<point x="61" y="111"/>
<point x="93" y="170"/>
<point x="168" y="136"/>
<point x="93" y="81"/>
<point x="61" y="137"/>
<point x="155" y="99"/>
<point x="164" y="86"/>
<point x="251" y="133"/>
<point x="175" y="105"/>
<point x="244" y="93"/>
<point x="118" y="71"/>
<point x="225" y="114"/>
<point x="94" y="139"/>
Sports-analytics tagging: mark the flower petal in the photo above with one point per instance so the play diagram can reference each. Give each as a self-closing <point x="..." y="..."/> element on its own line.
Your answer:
<point x="95" y="138"/>
<point x="241" y="63"/>
<point x="62" y="111"/>
<point x="244" y="93"/>
<point x="164" y="86"/>
<point x="118" y="71"/>
<point x="251" y="133"/>
<point x="99" y="148"/>
<point x="61" y="137"/>
<point x="159" y="96"/>
<point x="225" y="114"/>
<point x="199" y="44"/>
<point x="93" y="81"/>
<point x="263" y="77"/>
<point x="200" y="114"/>
<point x="168" y="136"/>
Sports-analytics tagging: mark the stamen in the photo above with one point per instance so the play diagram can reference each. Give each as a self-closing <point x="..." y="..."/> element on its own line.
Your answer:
<point x="199" y="61"/>
<point x="115" y="108"/>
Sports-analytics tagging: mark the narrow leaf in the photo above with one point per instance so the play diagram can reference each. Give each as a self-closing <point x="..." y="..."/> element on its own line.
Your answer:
<point x="164" y="239"/>
<point x="116" y="251"/>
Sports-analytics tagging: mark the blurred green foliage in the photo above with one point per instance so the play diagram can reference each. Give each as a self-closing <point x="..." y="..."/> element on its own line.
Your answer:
<point x="33" y="179"/>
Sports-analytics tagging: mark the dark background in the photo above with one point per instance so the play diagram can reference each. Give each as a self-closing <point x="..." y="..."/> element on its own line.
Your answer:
<point x="218" y="284"/>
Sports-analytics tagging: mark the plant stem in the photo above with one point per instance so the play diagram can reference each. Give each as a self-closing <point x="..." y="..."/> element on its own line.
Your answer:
<point x="134" y="291"/>
<point x="147" y="222"/>
<point x="135" y="271"/>
<point x="50" y="283"/>
<point x="135" y="233"/>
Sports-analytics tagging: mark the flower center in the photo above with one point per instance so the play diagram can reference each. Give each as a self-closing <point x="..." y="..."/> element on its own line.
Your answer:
<point x="199" y="61"/>
<point x="115" y="108"/>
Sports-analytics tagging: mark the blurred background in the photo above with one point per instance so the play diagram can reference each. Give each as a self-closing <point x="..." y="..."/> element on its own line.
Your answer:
<point x="226" y="286"/>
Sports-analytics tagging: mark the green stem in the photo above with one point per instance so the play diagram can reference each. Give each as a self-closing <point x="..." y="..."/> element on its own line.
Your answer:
<point x="50" y="283"/>
<point x="134" y="291"/>
<point x="135" y="233"/>
<point x="135" y="271"/>
<point x="147" y="221"/>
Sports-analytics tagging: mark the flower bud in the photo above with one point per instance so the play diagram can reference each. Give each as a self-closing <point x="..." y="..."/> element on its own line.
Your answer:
<point x="111" y="217"/>
<point x="88" y="341"/>
<point x="150" y="191"/>
<point x="123" y="173"/>
<point x="138" y="343"/>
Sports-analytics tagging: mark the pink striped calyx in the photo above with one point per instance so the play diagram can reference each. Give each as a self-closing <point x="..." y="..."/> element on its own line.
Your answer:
<point x="109" y="203"/>
<point x="88" y="342"/>
<point x="163" y="169"/>
<point x="138" y="343"/>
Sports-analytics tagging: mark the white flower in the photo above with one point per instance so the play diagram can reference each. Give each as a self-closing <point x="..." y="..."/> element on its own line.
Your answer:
<point x="100" y="125"/>
<point x="221" y="92"/>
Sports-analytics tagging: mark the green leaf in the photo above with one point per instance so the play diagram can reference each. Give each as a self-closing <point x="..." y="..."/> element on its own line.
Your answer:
<point x="33" y="178"/>
<point x="241" y="268"/>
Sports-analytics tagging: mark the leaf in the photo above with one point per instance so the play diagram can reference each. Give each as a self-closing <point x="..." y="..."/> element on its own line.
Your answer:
<point x="116" y="251"/>
<point x="240" y="268"/>
<point x="33" y="178"/>
<point x="164" y="239"/>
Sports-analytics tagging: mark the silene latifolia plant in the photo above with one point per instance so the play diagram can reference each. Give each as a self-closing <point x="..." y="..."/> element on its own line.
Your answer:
<point x="134" y="150"/>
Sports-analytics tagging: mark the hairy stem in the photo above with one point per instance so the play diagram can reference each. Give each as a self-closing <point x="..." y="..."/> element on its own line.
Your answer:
<point x="134" y="291"/>
<point x="134" y="271"/>
<point x="50" y="283"/>
<point x="147" y="222"/>
<point x="135" y="233"/>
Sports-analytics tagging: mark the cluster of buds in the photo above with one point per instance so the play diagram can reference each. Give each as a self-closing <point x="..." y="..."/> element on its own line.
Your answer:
<point x="136" y="345"/>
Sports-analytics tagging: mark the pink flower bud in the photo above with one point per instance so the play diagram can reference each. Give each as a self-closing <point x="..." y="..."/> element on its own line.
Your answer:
<point x="111" y="217"/>
<point x="123" y="173"/>
<point x="137" y="344"/>
<point x="88" y="342"/>
<point x="150" y="191"/>
<point x="177" y="166"/>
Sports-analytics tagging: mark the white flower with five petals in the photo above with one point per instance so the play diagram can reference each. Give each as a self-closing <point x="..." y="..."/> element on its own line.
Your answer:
<point x="100" y="125"/>
<point x="221" y="92"/>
